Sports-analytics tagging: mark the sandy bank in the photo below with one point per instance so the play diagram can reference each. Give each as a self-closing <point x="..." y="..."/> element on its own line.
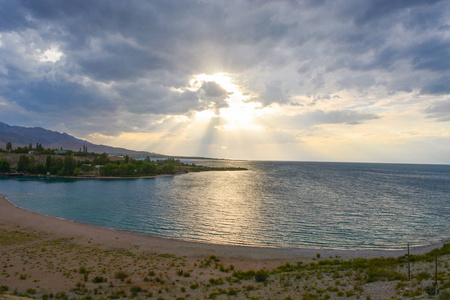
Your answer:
<point x="43" y="255"/>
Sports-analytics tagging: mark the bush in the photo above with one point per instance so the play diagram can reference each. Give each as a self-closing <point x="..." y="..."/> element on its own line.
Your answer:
<point x="194" y="286"/>
<point x="136" y="289"/>
<point x="217" y="281"/>
<point x="423" y="275"/>
<point x="261" y="276"/>
<point x="244" y="275"/>
<point x="444" y="295"/>
<point x="121" y="275"/>
<point x="99" y="279"/>
<point x="4" y="165"/>
<point x="431" y="290"/>
<point x="383" y="274"/>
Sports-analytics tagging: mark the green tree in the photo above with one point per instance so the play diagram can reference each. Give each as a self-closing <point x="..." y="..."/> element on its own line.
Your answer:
<point x="102" y="159"/>
<point x="148" y="168"/>
<point x="56" y="165"/>
<point x="69" y="165"/>
<point x="109" y="170"/>
<point x="168" y="169"/>
<point x="48" y="163"/>
<point x="4" y="165"/>
<point x="8" y="146"/>
<point x="24" y="164"/>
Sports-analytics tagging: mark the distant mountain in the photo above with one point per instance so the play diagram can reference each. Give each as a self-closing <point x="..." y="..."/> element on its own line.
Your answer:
<point x="23" y="136"/>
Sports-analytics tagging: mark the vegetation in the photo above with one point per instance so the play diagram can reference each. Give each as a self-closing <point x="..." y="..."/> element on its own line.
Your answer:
<point x="82" y="163"/>
<point x="132" y="272"/>
<point x="5" y="165"/>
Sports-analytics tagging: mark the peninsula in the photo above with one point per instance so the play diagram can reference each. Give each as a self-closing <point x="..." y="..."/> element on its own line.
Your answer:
<point x="93" y="165"/>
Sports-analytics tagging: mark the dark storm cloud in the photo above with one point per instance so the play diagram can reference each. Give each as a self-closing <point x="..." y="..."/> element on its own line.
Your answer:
<point x="120" y="62"/>
<point x="381" y="9"/>
<point x="138" y="56"/>
<point x="440" y="86"/>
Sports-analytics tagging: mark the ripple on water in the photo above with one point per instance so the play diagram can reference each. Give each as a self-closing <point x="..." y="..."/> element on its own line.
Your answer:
<point x="274" y="204"/>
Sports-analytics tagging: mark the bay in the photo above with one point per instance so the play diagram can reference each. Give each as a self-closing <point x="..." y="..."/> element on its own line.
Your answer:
<point x="273" y="204"/>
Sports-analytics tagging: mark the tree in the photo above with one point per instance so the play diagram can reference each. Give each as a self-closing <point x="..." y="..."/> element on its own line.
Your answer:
<point x="102" y="159"/>
<point x="168" y="169"/>
<point x="4" y="165"/>
<point x="8" y="146"/>
<point x="48" y="163"/>
<point x="39" y="148"/>
<point x="148" y="168"/>
<point x="56" y="165"/>
<point x="24" y="164"/>
<point x="69" y="165"/>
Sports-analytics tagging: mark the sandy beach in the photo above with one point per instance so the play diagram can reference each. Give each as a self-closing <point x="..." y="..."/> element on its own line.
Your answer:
<point x="43" y="255"/>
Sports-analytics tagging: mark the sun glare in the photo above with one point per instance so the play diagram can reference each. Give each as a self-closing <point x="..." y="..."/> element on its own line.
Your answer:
<point x="240" y="113"/>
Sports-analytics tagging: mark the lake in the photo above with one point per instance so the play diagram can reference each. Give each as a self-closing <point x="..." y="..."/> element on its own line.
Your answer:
<point x="273" y="204"/>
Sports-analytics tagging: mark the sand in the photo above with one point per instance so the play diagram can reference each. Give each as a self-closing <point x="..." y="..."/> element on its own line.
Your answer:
<point x="50" y="253"/>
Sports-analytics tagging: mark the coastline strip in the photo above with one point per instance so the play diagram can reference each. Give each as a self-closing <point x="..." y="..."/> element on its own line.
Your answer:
<point x="110" y="239"/>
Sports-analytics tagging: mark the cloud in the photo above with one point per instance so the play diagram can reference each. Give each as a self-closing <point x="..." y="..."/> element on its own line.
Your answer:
<point x="273" y="93"/>
<point x="377" y="10"/>
<point x="212" y="89"/>
<point x="439" y="86"/>
<point x="335" y="117"/>
<point x="440" y="111"/>
<point x="65" y="62"/>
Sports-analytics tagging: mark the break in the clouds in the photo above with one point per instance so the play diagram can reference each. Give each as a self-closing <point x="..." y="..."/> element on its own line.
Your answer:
<point x="240" y="79"/>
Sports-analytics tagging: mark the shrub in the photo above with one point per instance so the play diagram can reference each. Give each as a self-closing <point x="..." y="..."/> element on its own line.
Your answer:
<point x="136" y="289"/>
<point x="99" y="279"/>
<point x="121" y="275"/>
<point x="261" y="276"/>
<point x="217" y="281"/>
<point x="244" y="275"/>
<point x="31" y="291"/>
<point x="423" y="275"/>
<point x="194" y="286"/>
<point x="444" y="295"/>
<point x="430" y="290"/>
<point x="383" y="274"/>
<point x="232" y="292"/>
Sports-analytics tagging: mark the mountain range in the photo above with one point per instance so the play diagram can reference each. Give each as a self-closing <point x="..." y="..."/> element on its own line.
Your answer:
<point x="20" y="136"/>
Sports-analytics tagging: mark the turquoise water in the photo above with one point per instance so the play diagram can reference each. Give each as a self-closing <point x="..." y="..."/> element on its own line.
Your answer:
<point x="273" y="204"/>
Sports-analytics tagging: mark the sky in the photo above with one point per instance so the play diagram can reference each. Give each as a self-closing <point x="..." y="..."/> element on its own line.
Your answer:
<point x="356" y="81"/>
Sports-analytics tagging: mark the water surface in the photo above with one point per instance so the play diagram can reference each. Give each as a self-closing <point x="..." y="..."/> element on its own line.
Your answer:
<point x="273" y="204"/>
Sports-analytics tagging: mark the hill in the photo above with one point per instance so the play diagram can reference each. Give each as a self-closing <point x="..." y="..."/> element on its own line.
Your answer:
<point x="22" y="136"/>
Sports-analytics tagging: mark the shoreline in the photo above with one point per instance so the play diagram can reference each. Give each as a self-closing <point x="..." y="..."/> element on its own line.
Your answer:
<point x="97" y="177"/>
<point x="48" y="257"/>
<point x="12" y="215"/>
